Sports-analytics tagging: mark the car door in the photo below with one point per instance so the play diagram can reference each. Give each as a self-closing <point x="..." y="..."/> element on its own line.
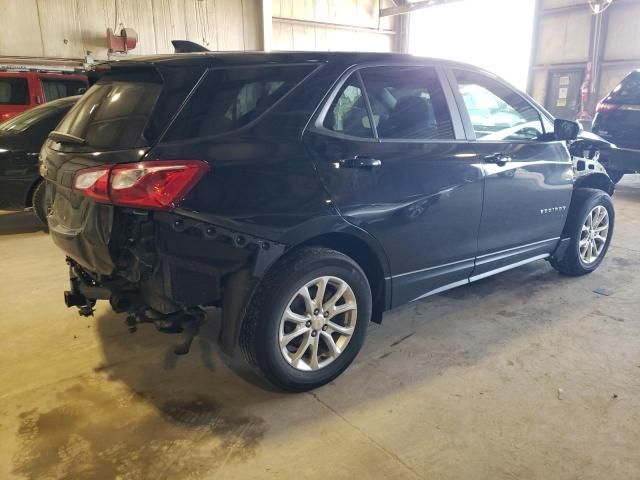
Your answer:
<point x="391" y="152"/>
<point x="528" y="175"/>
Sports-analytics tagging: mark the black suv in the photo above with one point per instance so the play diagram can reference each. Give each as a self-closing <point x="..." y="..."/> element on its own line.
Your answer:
<point x="618" y="121"/>
<point x="307" y="193"/>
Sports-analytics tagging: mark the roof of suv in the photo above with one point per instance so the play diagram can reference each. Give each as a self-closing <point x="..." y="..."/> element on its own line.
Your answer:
<point x="240" y="58"/>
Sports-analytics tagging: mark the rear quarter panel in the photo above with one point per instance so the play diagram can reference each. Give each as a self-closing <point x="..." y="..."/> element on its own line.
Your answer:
<point x="261" y="180"/>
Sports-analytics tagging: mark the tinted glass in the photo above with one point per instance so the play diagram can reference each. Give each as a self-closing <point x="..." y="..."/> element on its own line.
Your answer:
<point x="59" y="88"/>
<point x="230" y="98"/>
<point x="496" y="111"/>
<point x="628" y="91"/>
<point x="113" y="113"/>
<point x="14" y="91"/>
<point x="348" y="112"/>
<point x="46" y="116"/>
<point x="407" y="103"/>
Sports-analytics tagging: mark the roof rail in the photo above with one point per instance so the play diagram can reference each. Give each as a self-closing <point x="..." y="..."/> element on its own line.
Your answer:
<point x="42" y="64"/>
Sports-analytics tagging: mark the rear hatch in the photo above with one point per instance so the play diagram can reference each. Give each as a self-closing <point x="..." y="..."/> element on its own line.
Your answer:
<point x="618" y="115"/>
<point x="116" y="121"/>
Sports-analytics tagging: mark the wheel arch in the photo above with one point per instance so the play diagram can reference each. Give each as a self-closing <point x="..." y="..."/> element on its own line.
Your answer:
<point x="571" y="234"/>
<point x="597" y="181"/>
<point x="365" y="255"/>
<point x="28" y="201"/>
<point x="330" y="232"/>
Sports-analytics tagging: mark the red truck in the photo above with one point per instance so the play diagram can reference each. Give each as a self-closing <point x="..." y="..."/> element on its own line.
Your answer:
<point x="28" y="82"/>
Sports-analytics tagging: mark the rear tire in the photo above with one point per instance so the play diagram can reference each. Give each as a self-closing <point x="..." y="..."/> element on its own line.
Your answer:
<point x="38" y="201"/>
<point x="298" y="340"/>
<point x="590" y="225"/>
<point x="615" y="175"/>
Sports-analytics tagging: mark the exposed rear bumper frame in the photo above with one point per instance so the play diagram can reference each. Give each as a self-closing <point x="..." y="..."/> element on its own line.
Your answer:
<point x="233" y="265"/>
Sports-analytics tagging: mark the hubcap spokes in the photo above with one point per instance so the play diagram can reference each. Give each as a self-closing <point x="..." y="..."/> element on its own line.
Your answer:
<point x="594" y="234"/>
<point x="318" y="323"/>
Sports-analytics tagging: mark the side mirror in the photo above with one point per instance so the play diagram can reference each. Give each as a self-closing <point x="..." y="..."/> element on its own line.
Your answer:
<point x="565" y="129"/>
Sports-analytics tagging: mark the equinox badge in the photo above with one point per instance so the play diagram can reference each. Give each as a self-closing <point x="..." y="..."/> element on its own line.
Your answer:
<point x="545" y="211"/>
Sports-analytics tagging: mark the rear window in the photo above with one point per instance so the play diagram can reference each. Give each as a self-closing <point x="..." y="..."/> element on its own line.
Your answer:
<point x="629" y="89"/>
<point x="54" y="88"/>
<point x="113" y="113"/>
<point x="230" y="98"/>
<point x="47" y="116"/>
<point x="14" y="91"/>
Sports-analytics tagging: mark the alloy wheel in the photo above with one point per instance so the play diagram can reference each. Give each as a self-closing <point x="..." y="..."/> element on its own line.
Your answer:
<point x="594" y="234"/>
<point x="318" y="323"/>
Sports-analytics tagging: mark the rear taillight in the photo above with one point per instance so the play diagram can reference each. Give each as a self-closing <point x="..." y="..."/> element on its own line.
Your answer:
<point x="603" y="107"/>
<point x="94" y="183"/>
<point x="157" y="185"/>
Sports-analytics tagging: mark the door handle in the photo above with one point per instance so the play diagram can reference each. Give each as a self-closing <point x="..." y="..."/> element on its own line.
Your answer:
<point x="360" y="161"/>
<point x="499" y="159"/>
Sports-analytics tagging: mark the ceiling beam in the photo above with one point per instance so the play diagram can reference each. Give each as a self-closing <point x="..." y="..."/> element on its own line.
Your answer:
<point x="412" y="7"/>
<point x="266" y="21"/>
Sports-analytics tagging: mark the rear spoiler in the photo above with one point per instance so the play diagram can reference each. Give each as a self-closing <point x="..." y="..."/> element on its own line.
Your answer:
<point x="102" y="68"/>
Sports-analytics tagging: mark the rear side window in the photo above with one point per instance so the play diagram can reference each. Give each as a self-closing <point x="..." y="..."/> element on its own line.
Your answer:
<point x="113" y="113"/>
<point x="230" y="98"/>
<point x="407" y="103"/>
<point x="628" y="91"/>
<point x="348" y="112"/>
<point x="58" y="88"/>
<point x="14" y="91"/>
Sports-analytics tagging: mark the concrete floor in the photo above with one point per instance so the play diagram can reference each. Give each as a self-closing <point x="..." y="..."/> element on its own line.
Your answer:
<point x="524" y="375"/>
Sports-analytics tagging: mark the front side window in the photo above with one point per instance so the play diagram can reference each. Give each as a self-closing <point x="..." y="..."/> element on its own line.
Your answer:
<point x="14" y="91"/>
<point x="348" y="112"/>
<point x="407" y="103"/>
<point x="497" y="112"/>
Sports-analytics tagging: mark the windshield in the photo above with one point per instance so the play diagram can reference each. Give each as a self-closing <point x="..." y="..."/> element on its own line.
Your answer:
<point x="23" y="121"/>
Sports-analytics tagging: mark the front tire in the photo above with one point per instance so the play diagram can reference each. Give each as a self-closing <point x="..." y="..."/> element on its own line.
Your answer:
<point x="590" y="225"/>
<point x="308" y="319"/>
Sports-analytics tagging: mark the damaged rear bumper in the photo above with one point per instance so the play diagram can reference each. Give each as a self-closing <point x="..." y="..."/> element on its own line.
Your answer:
<point x="166" y="267"/>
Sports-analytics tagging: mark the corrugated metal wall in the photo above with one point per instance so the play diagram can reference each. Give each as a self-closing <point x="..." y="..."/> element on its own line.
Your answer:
<point x="70" y="28"/>
<point x="565" y="40"/>
<point x="331" y="25"/>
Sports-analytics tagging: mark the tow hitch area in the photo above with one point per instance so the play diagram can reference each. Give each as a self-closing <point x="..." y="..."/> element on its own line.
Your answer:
<point x="186" y="323"/>
<point x="85" y="291"/>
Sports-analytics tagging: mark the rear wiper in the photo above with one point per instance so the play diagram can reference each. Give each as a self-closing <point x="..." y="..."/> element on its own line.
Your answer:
<point x="66" y="138"/>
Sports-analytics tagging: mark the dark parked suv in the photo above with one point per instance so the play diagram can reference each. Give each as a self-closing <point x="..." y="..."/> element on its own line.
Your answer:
<point x="618" y="121"/>
<point x="307" y="193"/>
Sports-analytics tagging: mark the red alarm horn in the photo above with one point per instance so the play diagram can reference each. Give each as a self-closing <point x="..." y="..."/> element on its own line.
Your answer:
<point x="122" y="43"/>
